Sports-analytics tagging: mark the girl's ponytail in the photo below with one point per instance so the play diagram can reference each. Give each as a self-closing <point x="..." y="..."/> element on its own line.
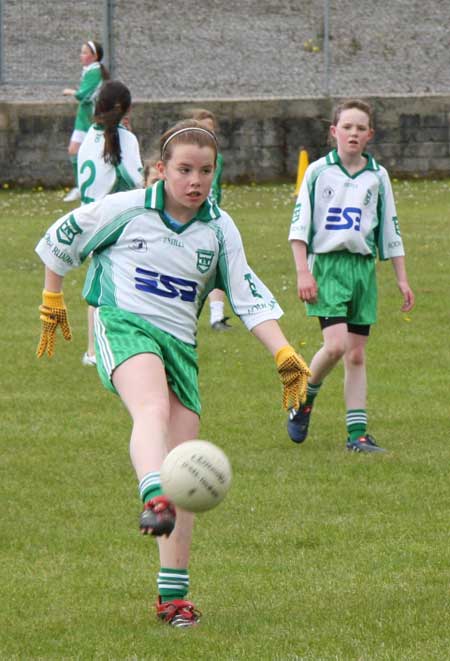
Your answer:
<point x="113" y="103"/>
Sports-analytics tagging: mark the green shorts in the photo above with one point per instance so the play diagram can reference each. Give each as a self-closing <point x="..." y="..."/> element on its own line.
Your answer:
<point x="347" y="287"/>
<point x="119" y="335"/>
<point x="83" y="119"/>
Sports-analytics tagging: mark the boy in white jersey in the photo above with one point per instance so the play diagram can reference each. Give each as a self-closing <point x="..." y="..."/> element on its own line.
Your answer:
<point x="157" y="254"/>
<point x="108" y="162"/>
<point x="345" y="214"/>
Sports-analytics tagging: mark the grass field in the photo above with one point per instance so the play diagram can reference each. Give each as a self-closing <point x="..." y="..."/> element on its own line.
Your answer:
<point x="316" y="554"/>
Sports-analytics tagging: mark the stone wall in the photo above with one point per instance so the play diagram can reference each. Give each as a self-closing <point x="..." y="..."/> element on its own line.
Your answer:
<point x="260" y="138"/>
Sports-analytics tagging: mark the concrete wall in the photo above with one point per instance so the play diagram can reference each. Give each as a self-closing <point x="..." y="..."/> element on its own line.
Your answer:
<point x="259" y="139"/>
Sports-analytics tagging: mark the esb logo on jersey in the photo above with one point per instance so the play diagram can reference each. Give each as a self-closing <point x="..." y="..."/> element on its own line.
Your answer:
<point x="167" y="286"/>
<point x="343" y="219"/>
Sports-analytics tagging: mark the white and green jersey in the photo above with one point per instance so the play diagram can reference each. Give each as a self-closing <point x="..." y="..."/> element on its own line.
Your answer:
<point x="142" y="265"/>
<point x="96" y="178"/>
<point x="87" y="92"/>
<point x="338" y="211"/>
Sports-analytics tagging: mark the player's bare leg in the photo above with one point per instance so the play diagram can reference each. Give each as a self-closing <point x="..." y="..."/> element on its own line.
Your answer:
<point x="355" y="394"/>
<point x="183" y="426"/>
<point x="355" y="379"/>
<point x="73" y="149"/>
<point x="333" y="349"/>
<point x="160" y="422"/>
<point x="173" y="578"/>
<point x="334" y="343"/>
<point x="142" y="385"/>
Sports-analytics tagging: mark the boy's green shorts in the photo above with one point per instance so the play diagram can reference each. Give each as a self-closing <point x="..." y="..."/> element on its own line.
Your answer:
<point x="347" y="287"/>
<point x="119" y="335"/>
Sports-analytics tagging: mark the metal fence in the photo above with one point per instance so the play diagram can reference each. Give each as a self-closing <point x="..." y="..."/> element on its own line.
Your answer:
<point x="38" y="38"/>
<point x="167" y="49"/>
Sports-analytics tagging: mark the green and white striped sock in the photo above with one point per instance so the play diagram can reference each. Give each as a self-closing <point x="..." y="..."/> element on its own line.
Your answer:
<point x="172" y="584"/>
<point x="150" y="486"/>
<point x="312" y="390"/>
<point x="356" y="420"/>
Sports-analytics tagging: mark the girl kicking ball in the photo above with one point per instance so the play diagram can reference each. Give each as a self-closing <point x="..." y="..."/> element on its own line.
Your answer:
<point x="157" y="253"/>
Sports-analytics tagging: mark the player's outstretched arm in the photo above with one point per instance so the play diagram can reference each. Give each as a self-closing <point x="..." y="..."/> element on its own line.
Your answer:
<point x="53" y="313"/>
<point x="291" y="366"/>
<point x="402" y="283"/>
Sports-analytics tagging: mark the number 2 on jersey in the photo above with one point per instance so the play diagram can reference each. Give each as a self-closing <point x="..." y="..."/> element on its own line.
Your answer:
<point x="90" y="167"/>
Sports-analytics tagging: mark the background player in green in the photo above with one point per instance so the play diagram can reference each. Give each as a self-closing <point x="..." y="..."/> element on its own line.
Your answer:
<point x="345" y="214"/>
<point x="157" y="252"/>
<point x="92" y="76"/>
<point x="216" y="299"/>
<point x="109" y="161"/>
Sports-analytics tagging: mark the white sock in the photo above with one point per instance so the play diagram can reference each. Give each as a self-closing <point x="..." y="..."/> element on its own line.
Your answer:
<point x="216" y="309"/>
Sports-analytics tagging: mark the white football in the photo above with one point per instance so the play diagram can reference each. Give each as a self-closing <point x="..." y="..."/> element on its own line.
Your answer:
<point x="196" y="475"/>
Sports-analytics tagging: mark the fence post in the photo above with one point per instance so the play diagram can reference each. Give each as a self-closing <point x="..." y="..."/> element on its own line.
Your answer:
<point x="108" y="42"/>
<point x="2" y="80"/>
<point x="326" y="46"/>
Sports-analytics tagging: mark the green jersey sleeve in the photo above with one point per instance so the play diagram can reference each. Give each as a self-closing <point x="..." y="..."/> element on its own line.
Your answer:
<point x="90" y="81"/>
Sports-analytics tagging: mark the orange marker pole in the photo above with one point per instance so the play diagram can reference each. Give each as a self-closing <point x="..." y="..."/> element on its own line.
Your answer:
<point x="303" y="163"/>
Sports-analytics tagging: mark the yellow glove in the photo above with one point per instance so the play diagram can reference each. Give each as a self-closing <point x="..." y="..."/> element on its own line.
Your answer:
<point x="294" y="374"/>
<point x="53" y="313"/>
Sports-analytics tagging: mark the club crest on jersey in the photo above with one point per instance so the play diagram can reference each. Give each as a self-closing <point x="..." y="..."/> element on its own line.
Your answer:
<point x="204" y="260"/>
<point x="67" y="231"/>
<point x="138" y="244"/>
<point x="327" y="193"/>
